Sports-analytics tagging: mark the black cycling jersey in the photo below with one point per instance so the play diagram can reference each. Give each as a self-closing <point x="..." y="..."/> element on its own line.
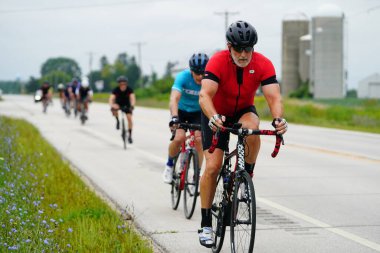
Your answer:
<point x="45" y="90"/>
<point x="122" y="97"/>
<point x="84" y="92"/>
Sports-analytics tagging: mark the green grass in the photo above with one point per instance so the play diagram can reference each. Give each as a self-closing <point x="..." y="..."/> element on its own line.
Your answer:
<point x="350" y="114"/>
<point x="45" y="207"/>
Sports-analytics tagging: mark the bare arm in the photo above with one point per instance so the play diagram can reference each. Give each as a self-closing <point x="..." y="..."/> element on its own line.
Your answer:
<point x="132" y="99"/>
<point x="111" y="100"/>
<point x="208" y="91"/>
<point x="273" y="96"/>
<point x="175" y="96"/>
<point x="274" y="99"/>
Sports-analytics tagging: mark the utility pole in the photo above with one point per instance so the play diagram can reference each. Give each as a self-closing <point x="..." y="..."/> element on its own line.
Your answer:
<point x="226" y="15"/>
<point x="139" y="44"/>
<point x="90" y="54"/>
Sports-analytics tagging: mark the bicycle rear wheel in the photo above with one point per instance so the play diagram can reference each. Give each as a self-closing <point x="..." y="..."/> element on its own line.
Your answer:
<point x="243" y="214"/>
<point x="218" y="212"/>
<point x="191" y="184"/>
<point x="176" y="190"/>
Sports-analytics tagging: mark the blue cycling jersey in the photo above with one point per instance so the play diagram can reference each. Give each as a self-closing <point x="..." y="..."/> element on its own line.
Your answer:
<point x="189" y="89"/>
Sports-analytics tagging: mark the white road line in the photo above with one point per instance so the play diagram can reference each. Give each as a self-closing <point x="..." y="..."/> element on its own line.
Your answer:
<point x="350" y="236"/>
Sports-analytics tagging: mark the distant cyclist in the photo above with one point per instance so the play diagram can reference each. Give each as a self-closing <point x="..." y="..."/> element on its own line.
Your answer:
<point x="47" y="94"/>
<point x="61" y="93"/>
<point x="74" y="85"/>
<point x="123" y="98"/>
<point x="84" y="95"/>
<point x="184" y="106"/>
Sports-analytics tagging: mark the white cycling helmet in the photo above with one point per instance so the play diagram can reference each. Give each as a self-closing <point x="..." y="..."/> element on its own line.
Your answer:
<point x="85" y="83"/>
<point x="61" y="86"/>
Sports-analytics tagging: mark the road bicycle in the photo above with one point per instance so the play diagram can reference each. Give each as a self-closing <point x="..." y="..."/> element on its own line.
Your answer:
<point x="83" y="114"/>
<point x="123" y="129"/>
<point x="234" y="202"/>
<point x="186" y="172"/>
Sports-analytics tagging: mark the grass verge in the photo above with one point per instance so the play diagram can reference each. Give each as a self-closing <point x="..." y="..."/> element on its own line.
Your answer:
<point x="45" y="207"/>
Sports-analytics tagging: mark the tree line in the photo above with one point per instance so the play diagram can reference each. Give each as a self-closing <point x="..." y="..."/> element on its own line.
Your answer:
<point x="63" y="70"/>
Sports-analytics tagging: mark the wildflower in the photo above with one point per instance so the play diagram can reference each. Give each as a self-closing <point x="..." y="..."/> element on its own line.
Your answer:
<point x="11" y="220"/>
<point x="46" y="174"/>
<point x="70" y="230"/>
<point x="46" y="241"/>
<point x="12" y="247"/>
<point x="40" y="211"/>
<point x="68" y="245"/>
<point x="28" y="240"/>
<point x="14" y="230"/>
<point x="50" y="231"/>
<point x="52" y="220"/>
<point x="44" y="222"/>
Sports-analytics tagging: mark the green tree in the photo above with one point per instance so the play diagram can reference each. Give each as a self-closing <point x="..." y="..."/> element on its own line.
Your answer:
<point x="66" y="65"/>
<point x="32" y="85"/>
<point x="56" y="77"/>
<point x="103" y="62"/>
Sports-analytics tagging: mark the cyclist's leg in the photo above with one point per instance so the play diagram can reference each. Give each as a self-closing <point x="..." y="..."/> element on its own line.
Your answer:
<point x="251" y="120"/>
<point x="130" y="125"/>
<point x="213" y="165"/>
<point x="175" y="145"/>
<point x="199" y="147"/>
<point x="208" y="180"/>
<point x="115" y="113"/>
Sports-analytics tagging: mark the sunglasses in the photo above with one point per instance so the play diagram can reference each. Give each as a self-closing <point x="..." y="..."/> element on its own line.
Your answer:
<point x="241" y="49"/>
<point x="199" y="73"/>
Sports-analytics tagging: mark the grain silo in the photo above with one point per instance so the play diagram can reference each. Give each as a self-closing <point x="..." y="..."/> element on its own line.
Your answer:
<point x="327" y="61"/>
<point x="293" y="27"/>
<point x="304" y="58"/>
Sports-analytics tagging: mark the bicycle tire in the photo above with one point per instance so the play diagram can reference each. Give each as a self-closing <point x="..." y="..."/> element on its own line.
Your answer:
<point x="123" y="133"/>
<point x="192" y="185"/>
<point x="175" y="189"/>
<point x="218" y="211"/>
<point x="243" y="236"/>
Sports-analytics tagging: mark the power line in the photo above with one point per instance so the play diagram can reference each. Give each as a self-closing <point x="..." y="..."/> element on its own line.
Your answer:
<point x="80" y="6"/>
<point x="226" y="14"/>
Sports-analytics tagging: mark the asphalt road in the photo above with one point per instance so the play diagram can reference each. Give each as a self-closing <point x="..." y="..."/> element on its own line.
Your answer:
<point x="322" y="194"/>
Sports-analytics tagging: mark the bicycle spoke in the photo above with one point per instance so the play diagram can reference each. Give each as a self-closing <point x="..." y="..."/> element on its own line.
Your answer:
<point x="243" y="218"/>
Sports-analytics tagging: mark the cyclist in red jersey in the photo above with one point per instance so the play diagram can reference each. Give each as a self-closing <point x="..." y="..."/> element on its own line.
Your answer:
<point x="231" y="80"/>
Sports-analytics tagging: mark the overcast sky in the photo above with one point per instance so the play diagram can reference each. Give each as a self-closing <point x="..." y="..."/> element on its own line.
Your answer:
<point x="31" y="31"/>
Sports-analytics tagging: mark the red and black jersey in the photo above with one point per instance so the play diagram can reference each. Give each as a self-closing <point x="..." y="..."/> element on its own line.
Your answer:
<point x="237" y="86"/>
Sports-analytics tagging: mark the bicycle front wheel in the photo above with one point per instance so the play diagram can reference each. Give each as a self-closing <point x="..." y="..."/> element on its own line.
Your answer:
<point x="218" y="210"/>
<point x="123" y="133"/>
<point x="176" y="183"/>
<point x="191" y="184"/>
<point x="243" y="214"/>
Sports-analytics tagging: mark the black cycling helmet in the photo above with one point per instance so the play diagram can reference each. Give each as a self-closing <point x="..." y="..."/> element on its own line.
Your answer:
<point x="241" y="34"/>
<point x="198" y="63"/>
<point x="122" y="79"/>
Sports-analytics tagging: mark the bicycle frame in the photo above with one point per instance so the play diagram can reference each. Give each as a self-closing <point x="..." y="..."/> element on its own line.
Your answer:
<point x="186" y="146"/>
<point x="224" y="208"/>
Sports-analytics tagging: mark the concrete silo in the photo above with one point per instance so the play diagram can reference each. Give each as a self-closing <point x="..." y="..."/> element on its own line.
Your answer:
<point x="327" y="61"/>
<point x="304" y="58"/>
<point x="293" y="27"/>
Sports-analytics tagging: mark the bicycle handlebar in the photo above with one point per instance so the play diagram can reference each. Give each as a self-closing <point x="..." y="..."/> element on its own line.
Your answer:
<point x="185" y="126"/>
<point x="246" y="132"/>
